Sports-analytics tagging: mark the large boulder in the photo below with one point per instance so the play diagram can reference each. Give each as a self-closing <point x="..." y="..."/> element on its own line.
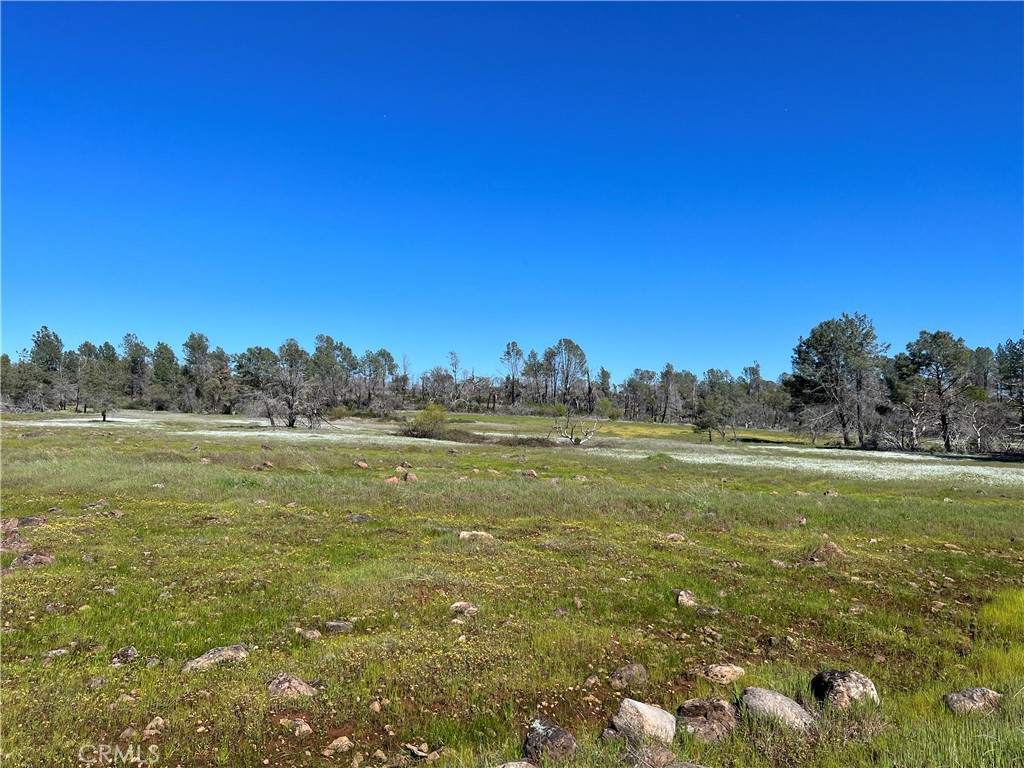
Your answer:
<point x="547" y="741"/>
<point x="224" y="655"/>
<point x="643" y="723"/>
<point x="842" y="688"/>
<point x="972" y="700"/>
<point x="772" y="705"/>
<point x="708" y="720"/>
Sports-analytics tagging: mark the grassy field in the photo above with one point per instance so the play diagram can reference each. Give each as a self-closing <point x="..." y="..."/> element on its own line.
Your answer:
<point x="578" y="581"/>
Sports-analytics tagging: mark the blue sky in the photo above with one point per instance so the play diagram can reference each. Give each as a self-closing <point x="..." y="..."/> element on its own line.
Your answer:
<point x="693" y="183"/>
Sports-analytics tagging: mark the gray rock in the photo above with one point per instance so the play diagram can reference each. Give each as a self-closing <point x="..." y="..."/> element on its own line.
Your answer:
<point x="708" y="720"/>
<point x="772" y="705"/>
<point x="842" y="688"/>
<point x="685" y="597"/>
<point x="33" y="560"/>
<point x="643" y="723"/>
<point x="723" y="674"/>
<point x="630" y="677"/>
<point x="972" y="700"/>
<point x="14" y="542"/>
<point x="464" y="608"/>
<point x="517" y="764"/>
<point x="547" y="741"/>
<point x="214" y="656"/>
<point x="339" y="627"/>
<point x="467" y="535"/>
<point x="124" y="656"/>
<point x="286" y="686"/>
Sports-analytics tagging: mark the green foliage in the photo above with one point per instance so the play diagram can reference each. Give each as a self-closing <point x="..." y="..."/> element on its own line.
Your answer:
<point x="431" y="423"/>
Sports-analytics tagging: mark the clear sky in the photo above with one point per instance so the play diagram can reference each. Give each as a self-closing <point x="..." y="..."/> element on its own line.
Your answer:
<point x="693" y="183"/>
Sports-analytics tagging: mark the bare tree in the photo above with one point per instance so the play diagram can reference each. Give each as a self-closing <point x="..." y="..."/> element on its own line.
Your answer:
<point x="574" y="428"/>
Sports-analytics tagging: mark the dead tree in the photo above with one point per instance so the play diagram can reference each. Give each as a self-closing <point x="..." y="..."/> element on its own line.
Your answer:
<point x="574" y="429"/>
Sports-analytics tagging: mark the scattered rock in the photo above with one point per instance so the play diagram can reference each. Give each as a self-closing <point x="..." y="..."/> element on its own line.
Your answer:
<point x="779" y="564"/>
<point x="464" y="608"/>
<point x="33" y="560"/>
<point x="831" y="494"/>
<point x="55" y="653"/>
<point x="125" y="656"/>
<point x="467" y="535"/>
<point x="127" y="735"/>
<point x="972" y="700"/>
<point x="299" y="727"/>
<point x="362" y="464"/>
<point x="708" y="719"/>
<point x="631" y="676"/>
<point x="33" y="521"/>
<point x="375" y="706"/>
<point x="842" y="688"/>
<point x="379" y="756"/>
<point x="392" y="480"/>
<point x="96" y="682"/>
<point x="801" y="520"/>
<point x="155" y="727"/>
<point x="762" y="703"/>
<point x="359" y="518"/>
<point x="231" y="653"/>
<point x="610" y="734"/>
<point x="592" y="682"/>
<point x="340" y="745"/>
<point x="532" y="475"/>
<point x="643" y="723"/>
<point x="339" y="627"/>
<point x="517" y="764"/>
<point x="827" y="551"/>
<point x="677" y="537"/>
<point x="723" y="674"/>
<point x="14" y="542"/>
<point x="410" y="477"/>
<point x="685" y="597"/>
<point x="580" y="478"/>
<point x="313" y="635"/>
<point x="287" y="686"/>
<point x="547" y="741"/>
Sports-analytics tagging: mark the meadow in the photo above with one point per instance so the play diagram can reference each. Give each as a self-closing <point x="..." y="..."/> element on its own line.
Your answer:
<point x="229" y="532"/>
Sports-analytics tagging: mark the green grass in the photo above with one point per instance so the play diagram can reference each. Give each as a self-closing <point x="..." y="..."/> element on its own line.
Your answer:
<point x="240" y="565"/>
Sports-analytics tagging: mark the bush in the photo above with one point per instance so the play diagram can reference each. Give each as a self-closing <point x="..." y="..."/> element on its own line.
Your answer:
<point x="431" y="422"/>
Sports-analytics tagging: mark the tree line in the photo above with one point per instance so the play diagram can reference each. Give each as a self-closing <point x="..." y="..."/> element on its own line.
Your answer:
<point x="844" y="386"/>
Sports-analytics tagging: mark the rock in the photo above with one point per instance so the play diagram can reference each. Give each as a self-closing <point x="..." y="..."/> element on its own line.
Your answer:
<point x="227" y="654"/>
<point x="312" y="635"/>
<point x="96" y="682"/>
<point x="379" y="756"/>
<point x="547" y="741"/>
<point x="530" y="474"/>
<point x="8" y="524"/>
<point x="841" y="689"/>
<point x="831" y="494"/>
<point x="580" y="478"/>
<point x="128" y="734"/>
<point x="610" y="735"/>
<point x="762" y="703"/>
<point x="14" y="542"/>
<point x="55" y="653"/>
<point x="287" y="686"/>
<point x="464" y="608"/>
<point x="33" y="560"/>
<point x="779" y="564"/>
<point x="299" y="727"/>
<point x="125" y="656"/>
<point x="801" y="520"/>
<point x="32" y="521"/>
<point x="375" y="706"/>
<point x="156" y="725"/>
<point x="410" y="477"/>
<point x="392" y="480"/>
<point x="630" y="677"/>
<point x="339" y="627"/>
<point x="972" y="700"/>
<point x="708" y="719"/>
<point x="577" y="603"/>
<point x="675" y="537"/>
<point x="517" y="764"/>
<point x="643" y="723"/>
<point x="723" y="674"/>
<point x="654" y="756"/>
<point x="685" y="597"/>
<point x="359" y="518"/>
<point x="467" y="535"/>
<point x="340" y="745"/>
<point x="362" y="464"/>
<point x="827" y="551"/>
<point x="405" y="465"/>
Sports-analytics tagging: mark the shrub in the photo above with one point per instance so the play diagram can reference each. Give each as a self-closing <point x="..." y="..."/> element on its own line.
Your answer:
<point x="431" y="422"/>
